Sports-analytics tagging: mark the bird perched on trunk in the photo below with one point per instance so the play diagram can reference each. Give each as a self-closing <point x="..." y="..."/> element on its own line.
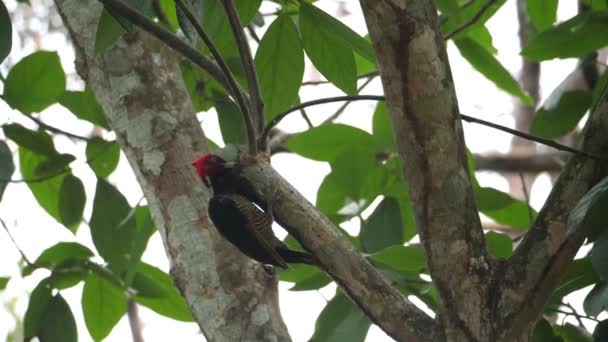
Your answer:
<point x="234" y="212"/>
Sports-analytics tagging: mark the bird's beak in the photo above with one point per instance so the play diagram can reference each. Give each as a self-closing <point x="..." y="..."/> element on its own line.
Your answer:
<point x="229" y="164"/>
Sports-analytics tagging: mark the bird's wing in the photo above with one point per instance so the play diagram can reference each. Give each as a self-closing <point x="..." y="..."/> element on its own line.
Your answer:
<point x="259" y="225"/>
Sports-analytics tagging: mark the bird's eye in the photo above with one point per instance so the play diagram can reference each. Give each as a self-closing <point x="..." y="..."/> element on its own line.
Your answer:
<point x="213" y="159"/>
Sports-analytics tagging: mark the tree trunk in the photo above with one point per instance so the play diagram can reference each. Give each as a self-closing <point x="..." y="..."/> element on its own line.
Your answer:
<point x="139" y="86"/>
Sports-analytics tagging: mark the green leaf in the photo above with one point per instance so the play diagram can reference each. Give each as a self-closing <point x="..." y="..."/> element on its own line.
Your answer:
<point x="326" y="50"/>
<point x="54" y="164"/>
<point x="112" y="226"/>
<point x="216" y="25"/>
<point x="596" y="300"/>
<point x="503" y="208"/>
<point x="7" y="166"/>
<point x="347" y="37"/>
<point x="500" y="245"/>
<point x="315" y="282"/>
<point x="144" y="230"/>
<point x="103" y="156"/>
<point x="231" y="121"/>
<point x="341" y="320"/>
<point x="6" y="32"/>
<point x="331" y="197"/>
<point x="68" y="275"/>
<point x="58" y="254"/>
<point x="35" y="141"/>
<point x="542" y="13"/>
<point x="46" y="191"/>
<point x="554" y="120"/>
<point x="601" y="329"/>
<point x="590" y="212"/>
<point x="572" y="333"/>
<point x="35" y="82"/>
<point x="58" y="324"/>
<point x="305" y="277"/>
<point x="579" y="274"/>
<point x="447" y="6"/>
<point x="382" y="129"/>
<point x="108" y="32"/>
<point x="357" y="172"/>
<point x="599" y="257"/>
<point x="172" y="304"/>
<point x="168" y="9"/>
<point x="476" y="12"/>
<point x="543" y="332"/>
<point x="103" y="304"/>
<point x="326" y="142"/>
<point x="583" y="34"/>
<point x="482" y="36"/>
<point x="84" y="105"/>
<point x="490" y="67"/>
<point x="401" y="258"/>
<point x="39" y="300"/>
<point x="279" y="62"/>
<point x="72" y="199"/>
<point x="3" y="282"/>
<point x="384" y="227"/>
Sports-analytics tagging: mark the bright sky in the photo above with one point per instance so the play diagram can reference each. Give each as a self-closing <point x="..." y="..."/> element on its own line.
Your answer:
<point x="34" y="230"/>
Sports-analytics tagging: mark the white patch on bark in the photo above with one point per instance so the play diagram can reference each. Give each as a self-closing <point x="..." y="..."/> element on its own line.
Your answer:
<point x="153" y="162"/>
<point x="260" y="315"/>
<point x="191" y="245"/>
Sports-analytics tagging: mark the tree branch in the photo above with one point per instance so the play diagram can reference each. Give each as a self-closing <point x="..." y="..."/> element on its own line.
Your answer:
<point x="170" y="39"/>
<point x="542" y="257"/>
<point x="251" y="136"/>
<point x="224" y="290"/>
<point x="532" y="163"/>
<point x="421" y="101"/>
<point x="464" y="117"/>
<point x="53" y="129"/>
<point x="257" y="103"/>
<point x="363" y="283"/>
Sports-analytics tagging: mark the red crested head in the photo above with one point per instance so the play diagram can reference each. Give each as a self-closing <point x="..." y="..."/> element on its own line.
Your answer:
<point x="209" y="165"/>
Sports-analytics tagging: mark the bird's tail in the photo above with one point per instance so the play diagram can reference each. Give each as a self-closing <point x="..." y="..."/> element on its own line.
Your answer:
<point x="298" y="257"/>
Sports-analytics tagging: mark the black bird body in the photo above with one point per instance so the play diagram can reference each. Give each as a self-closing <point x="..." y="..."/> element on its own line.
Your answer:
<point x="248" y="227"/>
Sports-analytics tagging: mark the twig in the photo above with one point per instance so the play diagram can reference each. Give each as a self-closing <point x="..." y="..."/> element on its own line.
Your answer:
<point x="312" y="83"/>
<point x="10" y="236"/>
<point x="253" y="34"/>
<point x="56" y="130"/>
<point x="280" y="116"/>
<point x="134" y="321"/>
<point x="225" y="69"/>
<point x="577" y="315"/>
<point x="51" y="176"/>
<point x="306" y="118"/>
<point x="580" y="321"/>
<point x="531" y="137"/>
<point x="467" y="24"/>
<point x="168" y="38"/>
<point x="464" y="117"/>
<point x="524" y="190"/>
<point x="343" y="107"/>
<point x="255" y="95"/>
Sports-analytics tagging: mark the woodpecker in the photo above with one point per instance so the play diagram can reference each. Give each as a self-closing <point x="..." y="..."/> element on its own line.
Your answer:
<point x="238" y="219"/>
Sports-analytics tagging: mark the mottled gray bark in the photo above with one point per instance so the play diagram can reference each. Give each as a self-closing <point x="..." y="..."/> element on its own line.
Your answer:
<point x="541" y="259"/>
<point x="480" y="298"/>
<point x="138" y="83"/>
<point x="421" y="100"/>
